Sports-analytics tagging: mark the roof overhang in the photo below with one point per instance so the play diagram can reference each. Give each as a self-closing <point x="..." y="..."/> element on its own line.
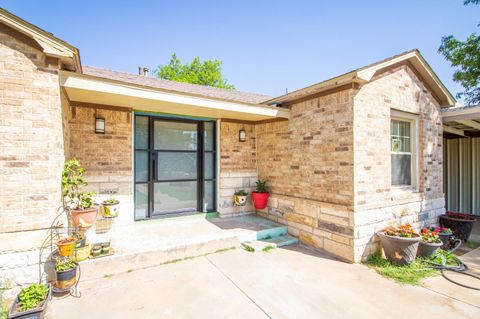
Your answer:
<point x="365" y="75"/>
<point x="462" y="121"/>
<point x="51" y="46"/>
<point x="81" y="88"/>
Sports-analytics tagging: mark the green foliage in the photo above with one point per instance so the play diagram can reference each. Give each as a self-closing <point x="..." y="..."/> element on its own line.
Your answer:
<point x="241" y="192"/>
<point x="268" y="248"/>
<point x="4" y="285"/>
<point x="72" y="184"/>
<point x="32" y="296"/>
<point x="208" y="72"/>
<point x="464" y="56"/>
<point x="64" y="265"/>
<point x="111" y="200"/>
<point x="408" y="274"/>
<point x="250" y="249"/>
<point x="261" y="186"/>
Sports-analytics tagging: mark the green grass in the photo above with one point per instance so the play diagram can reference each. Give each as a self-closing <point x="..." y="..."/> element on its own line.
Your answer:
<point x="224" y="249"/>
<point x="472" y="244"/>
<point x="409" y="274"/>
<point x="268" y="248"/>
<point x="249" y="248"/>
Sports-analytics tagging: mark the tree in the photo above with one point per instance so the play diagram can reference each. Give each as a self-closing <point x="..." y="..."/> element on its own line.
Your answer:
<point x="465" y="57"/>
<point x="208" y="72"/>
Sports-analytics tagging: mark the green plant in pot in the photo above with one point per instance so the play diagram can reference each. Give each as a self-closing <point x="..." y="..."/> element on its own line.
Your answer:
<point x="430" y="243"/>
<point x="240" y="198"/>
<point x="83" y="211"/>
<point x="96" y="250"/>
<point x="110" y="207"/>
<point x="260" y="195"/>
<point x="31" y="302"/>
<point x="66" y="271"/>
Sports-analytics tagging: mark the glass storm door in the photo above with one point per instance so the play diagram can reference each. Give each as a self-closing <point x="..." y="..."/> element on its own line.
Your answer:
<point x="175" y="168"/>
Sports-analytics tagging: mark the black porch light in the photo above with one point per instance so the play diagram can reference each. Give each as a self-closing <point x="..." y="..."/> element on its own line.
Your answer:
<point x="242" y="135"/>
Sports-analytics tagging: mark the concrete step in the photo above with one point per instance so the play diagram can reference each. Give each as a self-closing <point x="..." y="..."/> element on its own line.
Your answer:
<point x="267" y="244"/>
<point x="285" y="240"/>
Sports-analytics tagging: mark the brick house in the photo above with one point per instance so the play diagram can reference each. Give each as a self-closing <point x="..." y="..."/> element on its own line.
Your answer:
<point x="342" y="158"/>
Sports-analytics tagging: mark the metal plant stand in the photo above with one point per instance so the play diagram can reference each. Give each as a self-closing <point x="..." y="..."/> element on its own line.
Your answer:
<point x="46" y="265"/>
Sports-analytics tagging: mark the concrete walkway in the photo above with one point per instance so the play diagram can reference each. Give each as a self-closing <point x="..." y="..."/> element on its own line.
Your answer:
<point x="283" y="283"/>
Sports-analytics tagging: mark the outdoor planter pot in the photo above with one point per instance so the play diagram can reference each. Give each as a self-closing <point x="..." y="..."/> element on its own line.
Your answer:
<point x="445" y="238"/>
<point x="84" y="218"/>
<point x="80" y="242"/>
<point x="81" y="253"/>
<point x="110" y="209"/>
<point x="96" y="250"/>
<point x="35" y="313"/>
<point x="399" y="250"/>
<point x="105" y="248"/>
<point x="428" y="249"/>
<point x="66" y="246"/>
<point x="260" y="200"/>
<point x="66" y="279"/>
<point x="240" y="200"/>
<point x="460" y="224"/>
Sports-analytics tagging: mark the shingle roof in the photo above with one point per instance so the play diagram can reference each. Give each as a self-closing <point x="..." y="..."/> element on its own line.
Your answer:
<point x="201" y="90"/>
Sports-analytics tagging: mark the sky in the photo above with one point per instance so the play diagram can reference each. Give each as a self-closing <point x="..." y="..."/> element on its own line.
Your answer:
<point x="266" y="46"/>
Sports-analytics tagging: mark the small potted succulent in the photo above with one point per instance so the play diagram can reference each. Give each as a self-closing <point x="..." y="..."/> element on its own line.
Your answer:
<point x="400" y="244"/>
<point x="96" y="250"/>
<point x="31" y="302"/>
<point x="429" y="243"/>
<point x="80" y="204"/>
<point x="105" y="248"/>
<point x="80" y="240"/>
<point x="460" y="224"/>
<point x="66" y="271"/>
<point x="110" y="207"/>
<point x="66" y="246"/>
<point x="260" y="195"/>
<point x="240" y="198"/>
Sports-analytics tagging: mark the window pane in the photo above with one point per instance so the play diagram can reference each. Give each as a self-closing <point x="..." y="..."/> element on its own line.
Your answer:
<point x="141" y="166"/>
<point x="141" y="132"/>
<point x="141" y="201"/>
<point x="401" y="169"/>
<point x="208" y="139"/>
<point x="177" y="165"/>
<point x="175" y="196"/>
<point x="175" y="136"/>
<point x="208" y="165"/>
<point x="208" y="198"/>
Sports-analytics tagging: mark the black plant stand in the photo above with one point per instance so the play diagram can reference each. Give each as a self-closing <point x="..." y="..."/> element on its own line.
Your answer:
<point x="56" y="229"/>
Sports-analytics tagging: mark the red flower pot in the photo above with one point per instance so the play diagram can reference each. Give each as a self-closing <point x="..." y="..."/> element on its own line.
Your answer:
<point x="260" y="200"/>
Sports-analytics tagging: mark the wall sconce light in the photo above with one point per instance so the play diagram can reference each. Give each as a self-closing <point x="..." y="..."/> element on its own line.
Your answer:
<point x="99" y="125"/>
<point x="242" y="135"/>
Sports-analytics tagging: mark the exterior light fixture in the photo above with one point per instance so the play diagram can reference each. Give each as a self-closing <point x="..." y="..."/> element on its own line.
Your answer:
<point x="99" y="125"/>
<point x="242" y="135"/>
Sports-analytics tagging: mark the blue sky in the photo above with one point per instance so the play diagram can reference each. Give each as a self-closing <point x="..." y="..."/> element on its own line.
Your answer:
<point x="266" y="46"/>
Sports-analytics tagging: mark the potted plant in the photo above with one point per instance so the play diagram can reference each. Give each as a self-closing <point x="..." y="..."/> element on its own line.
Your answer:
<point x="66" y="271"/>
<point x="66" y="246"/>
<point x="429" y="243"/>
<point x="96" y="250"/>
<point x="105" y="248"/>
<point x="400" y="244"/>
<point x="110" y="207"/>
<point x="240" y="198"/>
<point x="460" y="224"/>
<point x="31" y="302"/>
<point x="80" y="204"/>
<point x="260" y="195"/>
<point x="80" y="240"/>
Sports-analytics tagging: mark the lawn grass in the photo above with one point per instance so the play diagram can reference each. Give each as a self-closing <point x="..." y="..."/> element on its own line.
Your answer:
<point x="268" y="248"/>
<point x="409" y="274"/>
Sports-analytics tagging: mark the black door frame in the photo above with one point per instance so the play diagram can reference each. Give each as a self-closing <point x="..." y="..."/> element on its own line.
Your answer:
<point x="153" y="158"/>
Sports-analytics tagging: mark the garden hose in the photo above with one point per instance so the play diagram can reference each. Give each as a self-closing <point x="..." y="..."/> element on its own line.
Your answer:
<point x="459" y="268"/>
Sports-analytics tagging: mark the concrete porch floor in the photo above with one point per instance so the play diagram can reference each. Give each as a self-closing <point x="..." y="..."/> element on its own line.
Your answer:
<point x="283" y="283"/>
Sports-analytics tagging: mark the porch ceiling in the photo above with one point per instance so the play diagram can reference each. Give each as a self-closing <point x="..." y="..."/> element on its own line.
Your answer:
<point x="93" y="90"/>
<point x="462" y="121"/>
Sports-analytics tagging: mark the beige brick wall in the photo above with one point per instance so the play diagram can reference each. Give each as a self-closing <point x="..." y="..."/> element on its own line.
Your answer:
<point x="376" y="202"/>
<point x="31" y="136"/>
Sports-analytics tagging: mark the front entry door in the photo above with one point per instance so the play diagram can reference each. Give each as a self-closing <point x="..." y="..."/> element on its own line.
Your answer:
<point x="174" y="166"/>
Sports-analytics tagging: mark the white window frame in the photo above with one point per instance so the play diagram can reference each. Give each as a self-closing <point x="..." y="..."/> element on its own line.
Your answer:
<point x="414" y="147"/>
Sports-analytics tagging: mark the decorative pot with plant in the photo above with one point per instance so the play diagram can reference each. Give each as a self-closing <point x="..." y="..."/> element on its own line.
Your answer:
<point x="110" y="207"/>
<point x="444" y="234"/>
<point x="460" y="224"/>
<point x="66" y="246"/>
<point x="80" y="204"/>
<point x="80" y="240"/>
<point x="66" y="271"/>
<point x="105" y="248"/>
<point x="96" y="250"/>
<point x="240" y="198"/>
<point x="31" y="302"/>
<point x="400" y="244"/>
<point x="260" y="195"/>
<point x="429" y="243"/>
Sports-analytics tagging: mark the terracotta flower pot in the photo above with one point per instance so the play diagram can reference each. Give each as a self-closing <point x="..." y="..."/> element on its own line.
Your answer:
<point x="260" y="200"/>
<point x="399" y="250"/>
<point x="84" y="218"/>
<point x="428" y="249"/>
<point x="66" y="246"/>
<point x="460" y="224"/>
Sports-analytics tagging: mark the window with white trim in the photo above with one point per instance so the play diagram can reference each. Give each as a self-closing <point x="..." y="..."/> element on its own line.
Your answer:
<point x="403" y="155"/>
